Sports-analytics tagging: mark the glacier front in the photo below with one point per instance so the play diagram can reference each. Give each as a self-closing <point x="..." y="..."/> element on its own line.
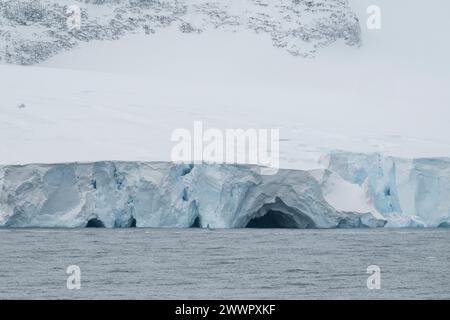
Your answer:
<point x="163" y="194"/>
<point x="406" y="192"/>
<point x="351" y="190"/>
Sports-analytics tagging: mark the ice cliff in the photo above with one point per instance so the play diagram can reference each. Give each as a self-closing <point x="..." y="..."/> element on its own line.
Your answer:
<point x="406" y="192"/>
<point x="126" y="194"/>
<point x="355" y="190"/>
<point x="31" y="31"/>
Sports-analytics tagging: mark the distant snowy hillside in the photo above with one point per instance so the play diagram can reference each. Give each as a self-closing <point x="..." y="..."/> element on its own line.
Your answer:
<point x="32" y="31"/>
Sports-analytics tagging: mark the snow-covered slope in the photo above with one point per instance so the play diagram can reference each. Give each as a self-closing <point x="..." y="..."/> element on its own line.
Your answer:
<point x="76" y="114"/>
<point x="380" y="97"/>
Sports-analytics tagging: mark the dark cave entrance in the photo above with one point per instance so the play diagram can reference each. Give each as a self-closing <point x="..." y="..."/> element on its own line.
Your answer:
<point x="196" y="223"/>
<point x="132" y="223"/>
<point x="273" y="219"/>
<point x="278" y="215"/>
<point x="95" y="223"/>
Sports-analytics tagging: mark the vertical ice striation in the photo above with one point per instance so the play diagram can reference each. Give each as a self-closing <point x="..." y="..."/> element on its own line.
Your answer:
<point x="407" y="192"/>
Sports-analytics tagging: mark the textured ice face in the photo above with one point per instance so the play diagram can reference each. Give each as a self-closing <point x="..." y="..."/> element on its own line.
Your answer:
<point x="126" y="194"/>
<point x="32" y="31"/>
<point x="406" y="192"/>
<point x="357" y="190"/>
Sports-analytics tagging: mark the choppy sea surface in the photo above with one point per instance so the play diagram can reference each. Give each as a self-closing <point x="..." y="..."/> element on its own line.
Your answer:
<point x="231" y="264"/>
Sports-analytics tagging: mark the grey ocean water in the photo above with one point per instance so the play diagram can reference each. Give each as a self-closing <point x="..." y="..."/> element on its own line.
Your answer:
<point x="237" y="264"/>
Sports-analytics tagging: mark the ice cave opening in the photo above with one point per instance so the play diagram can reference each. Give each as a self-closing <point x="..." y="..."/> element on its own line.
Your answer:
<point x="279" y="215"/>
<point x="95" y="223"/>
<point x="273" y="219"/>
<point x="196" y="223"/>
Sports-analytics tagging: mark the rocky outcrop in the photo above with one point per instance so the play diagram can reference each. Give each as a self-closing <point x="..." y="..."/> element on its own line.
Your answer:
<point x="31" y="31"/>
